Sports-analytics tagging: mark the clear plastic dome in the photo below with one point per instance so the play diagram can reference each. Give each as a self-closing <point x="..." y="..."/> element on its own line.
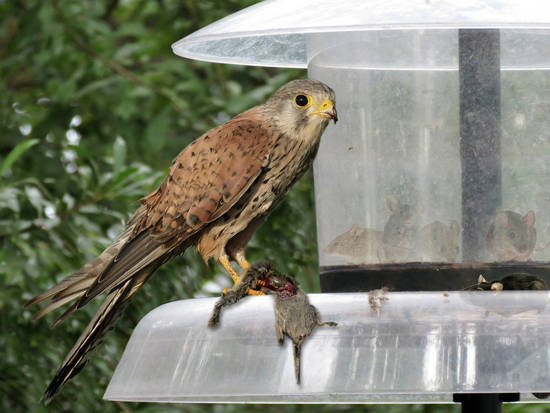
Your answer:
<point x="276" y="32"/>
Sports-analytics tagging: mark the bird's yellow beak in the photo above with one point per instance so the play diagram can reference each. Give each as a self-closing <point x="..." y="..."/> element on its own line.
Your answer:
<point x="326" y="110"/>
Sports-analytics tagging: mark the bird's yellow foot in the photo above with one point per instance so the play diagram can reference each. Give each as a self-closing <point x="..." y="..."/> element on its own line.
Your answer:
<point x="245" y="265"/>
<point x="249" y="292"/>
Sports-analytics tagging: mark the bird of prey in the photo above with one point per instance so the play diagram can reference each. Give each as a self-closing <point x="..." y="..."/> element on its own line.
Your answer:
<point x="219" y="190"/>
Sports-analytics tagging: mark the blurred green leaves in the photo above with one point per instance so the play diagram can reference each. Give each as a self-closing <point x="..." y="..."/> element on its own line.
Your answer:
<point x="15" y="153"/>
<point x="93" y="108"/>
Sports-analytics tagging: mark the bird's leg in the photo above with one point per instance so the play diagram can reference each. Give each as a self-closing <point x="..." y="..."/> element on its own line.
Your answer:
<point x="241" y="260"/>
<point x="245" y="265"/>
<point x="224" y="259"/>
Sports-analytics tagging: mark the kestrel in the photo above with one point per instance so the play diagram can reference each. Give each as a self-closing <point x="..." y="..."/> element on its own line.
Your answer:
<point x="219" y="190"/>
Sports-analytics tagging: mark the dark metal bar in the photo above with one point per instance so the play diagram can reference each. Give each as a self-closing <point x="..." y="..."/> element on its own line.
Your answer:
<point x="479" y="83"/>
<point x="420" y="276"/>
<point x="479" y="92"/>
<point x="484" y="402"/>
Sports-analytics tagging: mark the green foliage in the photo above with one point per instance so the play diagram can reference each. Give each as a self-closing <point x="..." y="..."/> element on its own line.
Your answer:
<point x="93" y="107"/>
<point x="21" y="148"/>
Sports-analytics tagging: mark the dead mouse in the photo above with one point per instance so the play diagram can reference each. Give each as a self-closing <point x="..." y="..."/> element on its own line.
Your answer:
<point x="295" y="317"/>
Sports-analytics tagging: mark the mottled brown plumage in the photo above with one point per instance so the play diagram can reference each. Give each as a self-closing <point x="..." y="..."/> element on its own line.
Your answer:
<point x="219" y="189"/>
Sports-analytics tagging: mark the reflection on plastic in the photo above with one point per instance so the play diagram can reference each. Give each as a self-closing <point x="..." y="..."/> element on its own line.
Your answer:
<point x="421" y="347"/>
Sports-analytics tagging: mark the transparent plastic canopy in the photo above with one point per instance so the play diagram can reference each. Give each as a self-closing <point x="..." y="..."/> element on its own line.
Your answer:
<point x="420" y="347"/>
<point x="275" y="32"/>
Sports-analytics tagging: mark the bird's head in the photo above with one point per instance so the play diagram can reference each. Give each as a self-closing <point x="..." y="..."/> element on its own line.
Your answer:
<point x="303" y="104"/>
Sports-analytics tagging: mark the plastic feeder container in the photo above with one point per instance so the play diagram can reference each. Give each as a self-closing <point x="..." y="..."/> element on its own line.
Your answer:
<point x="443" y="109"/>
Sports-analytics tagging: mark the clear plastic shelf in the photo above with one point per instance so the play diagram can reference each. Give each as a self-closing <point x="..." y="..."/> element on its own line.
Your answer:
<point x="420" y="347"/>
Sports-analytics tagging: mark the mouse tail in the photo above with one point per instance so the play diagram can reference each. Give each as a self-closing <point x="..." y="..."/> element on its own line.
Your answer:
<point x="297" y="347"/>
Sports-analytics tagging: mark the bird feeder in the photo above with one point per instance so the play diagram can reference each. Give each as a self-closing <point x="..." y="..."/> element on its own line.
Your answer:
<point x="438" y="171"/>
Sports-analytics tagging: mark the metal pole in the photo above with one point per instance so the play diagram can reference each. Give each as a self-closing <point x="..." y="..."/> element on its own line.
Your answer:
<point x="484" y="402"/>
<point x="479" y="84"/>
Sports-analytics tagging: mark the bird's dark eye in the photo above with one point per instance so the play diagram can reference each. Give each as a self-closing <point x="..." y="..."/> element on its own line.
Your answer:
<point x="302" y="100"/>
